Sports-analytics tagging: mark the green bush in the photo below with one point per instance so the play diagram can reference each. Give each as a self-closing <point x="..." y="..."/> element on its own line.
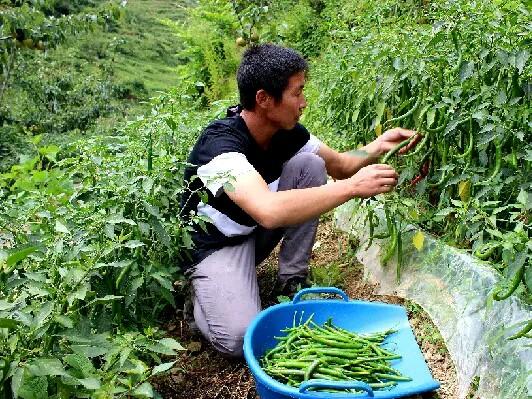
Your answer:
<point x="91" y="242"/>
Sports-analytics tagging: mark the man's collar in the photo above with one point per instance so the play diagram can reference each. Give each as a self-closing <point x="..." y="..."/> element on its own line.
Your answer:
<point x="234" y="110"/>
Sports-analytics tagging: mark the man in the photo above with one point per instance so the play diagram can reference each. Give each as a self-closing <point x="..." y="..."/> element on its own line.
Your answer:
<point x="264" y="175"/>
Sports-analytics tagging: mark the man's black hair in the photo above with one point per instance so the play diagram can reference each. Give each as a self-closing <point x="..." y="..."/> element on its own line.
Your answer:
<point x="267" y="67"/>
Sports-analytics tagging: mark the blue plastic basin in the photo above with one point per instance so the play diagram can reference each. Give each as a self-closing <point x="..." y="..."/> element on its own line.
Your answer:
<point x="357" y="316"/>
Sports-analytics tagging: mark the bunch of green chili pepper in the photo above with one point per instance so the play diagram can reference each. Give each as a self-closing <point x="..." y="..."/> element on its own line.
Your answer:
<point x="310" y="351"/>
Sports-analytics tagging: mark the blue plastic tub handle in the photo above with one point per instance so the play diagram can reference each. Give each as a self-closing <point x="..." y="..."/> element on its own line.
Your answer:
<point x="320" y="290"/>
<point x="338" y="385"/>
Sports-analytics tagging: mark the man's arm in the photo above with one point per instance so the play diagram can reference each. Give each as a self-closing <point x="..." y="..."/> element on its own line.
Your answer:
<point x="285" y="208"/>
<point x="346" y="164"/>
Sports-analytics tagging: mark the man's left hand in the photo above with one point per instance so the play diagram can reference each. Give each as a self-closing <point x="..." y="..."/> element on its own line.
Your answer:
<point x="393" y="137"/>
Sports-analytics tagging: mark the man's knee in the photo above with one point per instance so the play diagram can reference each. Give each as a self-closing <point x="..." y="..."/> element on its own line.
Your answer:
<point x="310" y="164"/>
<point x="229" y="340"/>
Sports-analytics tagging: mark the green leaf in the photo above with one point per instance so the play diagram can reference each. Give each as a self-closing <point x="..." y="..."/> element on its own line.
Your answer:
<point x="8" y="323"/>
<point x="35" y="140"/>
<point x="19" y="255"/>
<point x="445" y="211"/>
<point x="61" y="228"/>
<point x="466" y="70"/>
<point x="117" y="219"/>
<point x="133" y="244"/>
<point x="162" y="367"/>
<point x="91" y="383"/>
<point x="132" y="290"/>
<point x="109" y="231"/>
<point x="167" y="295"/>
<point x="160" y="232"/>
<point x="46" y="366"/>
<point x="41" y="277"/>
<point x="457" y="203"/>
<point x="158" y="348"/>
<point x="495" y="233"/>
<point x="501" y="98"/>
<point x="163" y="281"/>
<point x="431" y="115"/>
<point x="502" y="56"/>
<point x="124" y="356"/>
<point x="3" y="255"/>
<point x="34" y="388"/>
<point x="480" y="115"/>
<point x="12" y="343"/>
<point x="144" y="391"/>
<point x="170" y="123"/>
<point x="406" y="175"/>
<point x="147" y="185"/>
<point x="152" y="210"/>
<point x="171" y="343"/>
<point x="43" y="314"/>
<point x="487" y="137"/>
<point x="380" y="110"/>
<point x="38" y="289"/>
<point x="89" y="350"/>
<point x="4" y="305"/>
<point x="17" y="380"/>
<point x="49" y="152"/>
<point x="135" y="367"/>
<point x="24" y="317"/>
<point x="525" y="199"/>
<point x="354" y="118"/>
<point x="65" y="321"/>
<point x="521" y="59"/>
<point x="80" y="363"/>
<point x="80" y="293"/>
<point x="515" y="264"/>
<point x="397" y="63"/>
<point x="40" y="176"/>
<point x="144" y="228"/>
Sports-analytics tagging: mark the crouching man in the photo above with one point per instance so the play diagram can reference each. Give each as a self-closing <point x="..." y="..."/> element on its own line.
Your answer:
<point x="265" y="176"/>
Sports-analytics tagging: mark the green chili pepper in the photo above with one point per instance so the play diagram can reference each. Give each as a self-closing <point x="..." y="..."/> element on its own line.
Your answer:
<point x="394" y="150"/>
<point x="409" y="112"/>
<point x="498" y="160"/>
<point x="523" y="332"/>
<point x="498" y="296"/>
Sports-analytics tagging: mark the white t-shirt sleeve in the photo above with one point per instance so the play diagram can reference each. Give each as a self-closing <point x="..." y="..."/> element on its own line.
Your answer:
<point x="312" y="145"/>
<point x="223" y="169"/>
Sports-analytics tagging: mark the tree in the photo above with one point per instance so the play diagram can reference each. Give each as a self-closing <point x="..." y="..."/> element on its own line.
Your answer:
<point x="33" y="25"/>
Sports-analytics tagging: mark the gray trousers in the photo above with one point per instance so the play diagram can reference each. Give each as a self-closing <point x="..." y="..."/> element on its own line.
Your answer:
<point x="225" y="289"/>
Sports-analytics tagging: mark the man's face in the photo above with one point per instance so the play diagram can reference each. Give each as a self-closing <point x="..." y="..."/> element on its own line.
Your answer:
<point x="287" y="112"/>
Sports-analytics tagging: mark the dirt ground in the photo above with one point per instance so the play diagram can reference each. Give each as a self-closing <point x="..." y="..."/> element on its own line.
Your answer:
<point x="201" y="373"/>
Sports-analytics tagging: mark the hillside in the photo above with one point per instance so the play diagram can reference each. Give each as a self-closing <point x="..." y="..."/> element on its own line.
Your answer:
<point x="94" y="80"/>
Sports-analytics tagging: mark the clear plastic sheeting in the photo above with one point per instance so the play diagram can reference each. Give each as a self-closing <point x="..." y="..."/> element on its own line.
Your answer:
<point x="455" y="290"/>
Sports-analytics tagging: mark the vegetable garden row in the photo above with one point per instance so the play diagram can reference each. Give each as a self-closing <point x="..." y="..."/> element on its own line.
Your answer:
<point x="461" y="77"/>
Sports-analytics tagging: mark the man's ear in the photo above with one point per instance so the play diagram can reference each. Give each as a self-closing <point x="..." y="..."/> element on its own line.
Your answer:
<point x="263" y="99"/>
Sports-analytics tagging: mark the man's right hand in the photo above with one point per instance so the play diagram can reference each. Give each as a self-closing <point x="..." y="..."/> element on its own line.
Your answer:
<point x="373" y="179"/>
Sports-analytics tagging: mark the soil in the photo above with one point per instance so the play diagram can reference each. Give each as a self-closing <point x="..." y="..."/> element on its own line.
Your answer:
<point x="201" y="373"/>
